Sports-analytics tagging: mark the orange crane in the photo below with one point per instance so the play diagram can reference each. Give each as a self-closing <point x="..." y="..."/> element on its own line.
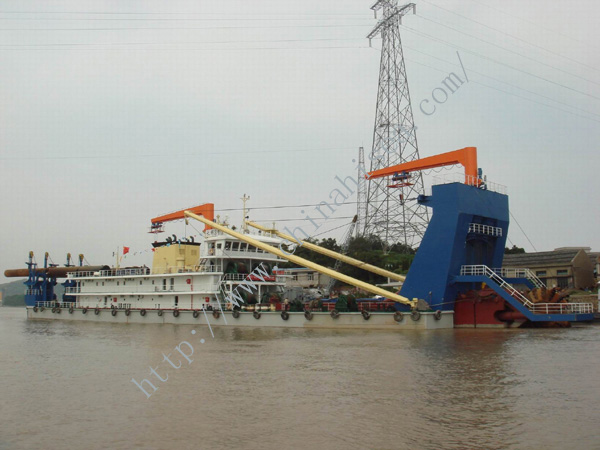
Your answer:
<point x="207" y="210"/>
<point x="467" y="157"/>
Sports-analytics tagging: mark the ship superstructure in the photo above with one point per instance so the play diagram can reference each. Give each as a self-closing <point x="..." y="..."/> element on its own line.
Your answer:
<point x="456" y="277"/>
<point x="185" y="275"/>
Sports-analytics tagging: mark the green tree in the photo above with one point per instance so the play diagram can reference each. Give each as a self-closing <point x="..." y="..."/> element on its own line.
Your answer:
<point x="514" y="250"/>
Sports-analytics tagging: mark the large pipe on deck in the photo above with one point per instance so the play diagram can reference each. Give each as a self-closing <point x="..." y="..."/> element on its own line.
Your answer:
<point x="56" y="272"/>
<point x="305" y="262"/>
<point x="335" y="255"/>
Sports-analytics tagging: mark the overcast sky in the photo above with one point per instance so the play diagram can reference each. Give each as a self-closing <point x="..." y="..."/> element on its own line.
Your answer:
<point x="119" y="111"/>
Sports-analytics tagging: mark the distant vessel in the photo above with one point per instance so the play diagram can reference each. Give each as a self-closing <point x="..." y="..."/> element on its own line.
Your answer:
<point x="230" y="278"/>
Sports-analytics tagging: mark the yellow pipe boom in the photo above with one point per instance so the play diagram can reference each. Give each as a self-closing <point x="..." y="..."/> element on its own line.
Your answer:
<point x="305" y="262"/>
<point x="332" y="254"/>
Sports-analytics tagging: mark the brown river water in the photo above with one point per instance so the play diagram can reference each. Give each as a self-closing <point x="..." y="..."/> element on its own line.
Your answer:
<point x="68" y="385"/>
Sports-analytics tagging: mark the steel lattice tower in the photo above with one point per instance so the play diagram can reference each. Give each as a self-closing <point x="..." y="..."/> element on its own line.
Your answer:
<point x="393" y="214"/>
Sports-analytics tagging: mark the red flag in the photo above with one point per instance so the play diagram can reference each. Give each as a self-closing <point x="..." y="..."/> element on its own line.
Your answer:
<point x="125" y="250"/>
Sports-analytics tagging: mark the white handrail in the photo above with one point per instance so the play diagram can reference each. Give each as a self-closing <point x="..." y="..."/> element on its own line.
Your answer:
<point x="536" y="308"/>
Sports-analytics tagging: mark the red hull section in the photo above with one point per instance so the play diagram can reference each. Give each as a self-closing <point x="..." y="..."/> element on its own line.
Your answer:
<point x="483" y="308"/>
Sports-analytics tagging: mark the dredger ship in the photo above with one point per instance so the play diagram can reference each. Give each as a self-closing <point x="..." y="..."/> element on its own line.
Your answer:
<point x="230" y="278"/>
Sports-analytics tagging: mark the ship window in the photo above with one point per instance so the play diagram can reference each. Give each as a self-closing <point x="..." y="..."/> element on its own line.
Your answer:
<point x="176" y="300"/>
<point x="118" y="283"/>
<point x="152" y="281"/>
<point x="105" y="300"/>
<point x="251" y="248"/>
<point x="540" y="273"/>
<point x="82" y="283"/>
<point x="227" y="245"/>
<point x="235" y="247"/>
<point x="96" y="283"/>
<point x="103" y="283"/>
<point x="219" y="245"/>
<point x="164" y="284"/>
<point x="562" y="272"/>
<point x="243" y="246"/>
<point x="123" y="282"/>
<point x="140" y="282"/>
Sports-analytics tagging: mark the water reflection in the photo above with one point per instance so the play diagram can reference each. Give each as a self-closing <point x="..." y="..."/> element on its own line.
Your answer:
<point x="257" y="388"/>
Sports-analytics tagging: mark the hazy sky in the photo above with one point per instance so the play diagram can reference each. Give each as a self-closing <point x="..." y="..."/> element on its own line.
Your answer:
<point x="116" y="112"/>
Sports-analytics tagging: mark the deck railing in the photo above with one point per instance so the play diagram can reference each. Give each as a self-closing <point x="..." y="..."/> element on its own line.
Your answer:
<point x="535" y="308"/>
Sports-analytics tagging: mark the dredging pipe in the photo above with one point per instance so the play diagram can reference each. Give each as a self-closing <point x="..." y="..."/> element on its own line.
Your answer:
<point x="332" y="254"/>
<point x="56" y="272"/>
<point x="305" y="262"/>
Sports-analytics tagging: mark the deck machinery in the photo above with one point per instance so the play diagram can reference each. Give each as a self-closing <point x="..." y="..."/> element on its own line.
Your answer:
<point x="458" y="265"/>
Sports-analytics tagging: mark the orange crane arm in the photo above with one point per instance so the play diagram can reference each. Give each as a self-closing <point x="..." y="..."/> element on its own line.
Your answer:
<point x="207" y="210"/>
<point x="466" y="156"/>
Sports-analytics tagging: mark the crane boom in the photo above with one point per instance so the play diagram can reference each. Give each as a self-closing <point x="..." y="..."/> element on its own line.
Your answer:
<point x="467" y="157"/>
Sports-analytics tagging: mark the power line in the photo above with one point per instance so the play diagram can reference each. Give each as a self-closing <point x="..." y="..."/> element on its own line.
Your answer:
<point x="535" y="24"/>
<point x="186" y="13"/>
<point x="137" y="19"/>
<point x="503" y="82"/>
<point x="170" y="155"/>
<point x="79" y="44"/>
<point x="449" y="44"/>
<point x="509" y="93"/>
<point x="506" y="34"/>
<point x="182" y="28"/>
<point x="219" y="49"/>
<point x="523" y="231"/>
<point x="279" y="207"/>
<point x="511" y="51"/>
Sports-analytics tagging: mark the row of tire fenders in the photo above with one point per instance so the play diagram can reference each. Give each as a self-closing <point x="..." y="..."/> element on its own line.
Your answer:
<point x="335" y="314"/>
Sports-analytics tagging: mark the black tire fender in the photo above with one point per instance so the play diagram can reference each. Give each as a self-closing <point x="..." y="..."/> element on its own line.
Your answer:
<point x="196" y="314"/>
<point x="256" y="315"/>
<point x="415" y="315"/>
<point x="97" y="311"/>
<point x="142" y="312"/>
<point x="235" y="313"/>
<point x="398" y="316"/>
<point x="308" y="315"/>
<point x="366" y="315"/>
<point x="437" y="315"/>
<point x="285" y="315"/>
<point x="334" y="313"/>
